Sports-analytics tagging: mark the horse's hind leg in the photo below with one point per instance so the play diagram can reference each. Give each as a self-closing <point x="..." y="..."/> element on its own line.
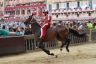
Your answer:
<point x="41" y="45"/>
<point x="63" y="43"/>
<point x="67" y="44"/>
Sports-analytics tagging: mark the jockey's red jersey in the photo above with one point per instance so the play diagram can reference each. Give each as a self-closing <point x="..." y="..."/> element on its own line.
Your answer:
<point x="41" y="23"/>
<point x="48" y="19"/>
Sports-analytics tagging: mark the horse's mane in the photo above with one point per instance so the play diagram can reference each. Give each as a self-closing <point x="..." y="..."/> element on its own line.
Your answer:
<point x="76" y="33"/>
<point x="29" y="18"/>
<point x="36" y="27"/>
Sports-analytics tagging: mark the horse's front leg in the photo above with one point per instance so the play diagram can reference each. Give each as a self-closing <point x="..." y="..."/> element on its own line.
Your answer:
<point x="62" y="45"/>
<point x="67" y="44"/>
<point x="41" y="45"/>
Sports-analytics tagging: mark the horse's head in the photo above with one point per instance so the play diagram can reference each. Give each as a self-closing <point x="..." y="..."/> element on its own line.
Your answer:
<point x="29" y="20"/>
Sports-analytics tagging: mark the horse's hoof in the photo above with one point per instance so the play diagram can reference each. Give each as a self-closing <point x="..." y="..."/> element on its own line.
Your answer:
<point x="61" y="49"/>
<point x="52" y="54"/>
<point x="67" y="50"/>
<point x="56" y="56"/>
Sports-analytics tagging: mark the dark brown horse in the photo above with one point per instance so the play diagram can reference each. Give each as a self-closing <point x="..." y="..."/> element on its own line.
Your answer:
<point x="60" y="33"/>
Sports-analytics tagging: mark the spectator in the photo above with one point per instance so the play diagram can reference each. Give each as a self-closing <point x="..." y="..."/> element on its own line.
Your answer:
<point x="89" y="25"/>
<point x="27" y="31"/>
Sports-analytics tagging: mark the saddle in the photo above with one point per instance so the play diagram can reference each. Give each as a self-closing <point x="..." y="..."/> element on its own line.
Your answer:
<point x="60" y="28"/>
<point x="56" y="29"/>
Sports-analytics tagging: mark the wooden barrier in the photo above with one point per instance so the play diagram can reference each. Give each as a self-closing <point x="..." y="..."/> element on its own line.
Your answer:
<point x="77" y="40"/>
<point x="93" y="36"/>
<point x="11" y="45"/>
<point x="27" y="43"/>
<point x="30" y="44"/>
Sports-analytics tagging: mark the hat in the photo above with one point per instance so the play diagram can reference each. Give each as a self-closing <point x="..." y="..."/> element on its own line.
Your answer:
<point x="45" y="11"/>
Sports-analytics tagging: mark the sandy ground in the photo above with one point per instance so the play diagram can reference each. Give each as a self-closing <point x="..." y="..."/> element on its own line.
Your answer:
<point x="82" y="54"/>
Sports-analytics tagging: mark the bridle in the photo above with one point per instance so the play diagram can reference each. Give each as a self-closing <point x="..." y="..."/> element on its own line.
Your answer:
<point x="31" y="20"/>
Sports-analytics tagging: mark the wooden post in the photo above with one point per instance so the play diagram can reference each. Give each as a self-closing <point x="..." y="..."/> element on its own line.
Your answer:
<point x="90" y="35"/>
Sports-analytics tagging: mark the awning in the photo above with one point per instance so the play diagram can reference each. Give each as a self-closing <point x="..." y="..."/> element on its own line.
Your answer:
<point x="25" y="6"/>
<point x="9" y="8"/>
<point x="30" y="6"/>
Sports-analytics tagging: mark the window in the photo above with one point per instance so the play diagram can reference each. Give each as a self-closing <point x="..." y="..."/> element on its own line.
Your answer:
<point x="1" y="4"/>
<point x="90" y="4"/>
<point x="89" y="13"/>
<point x="77" y="14"/>
<point x="22" y="11"/>
<point x="6" y="12"/>
<point x="50" y="7"/>
<point x="67" y="4"/>
<point x="78" y="4"/>
<point x="28" y="11"/>
<point x="17" y="12"/>
<point x="12" y="12"/>
<point x="57" y="5"/>
<point x="6" y="0"/>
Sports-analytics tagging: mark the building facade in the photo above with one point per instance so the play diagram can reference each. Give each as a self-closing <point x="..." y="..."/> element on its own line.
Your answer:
<point x="21" y="9"/>
<point x="72" y="9"/>
<point x="1" y="7"/>
<point x="60" y="9"/>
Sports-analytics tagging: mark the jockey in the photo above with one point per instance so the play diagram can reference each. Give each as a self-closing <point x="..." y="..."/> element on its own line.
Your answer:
<point x="41" y="20"/>
<point x="46" y="24"/>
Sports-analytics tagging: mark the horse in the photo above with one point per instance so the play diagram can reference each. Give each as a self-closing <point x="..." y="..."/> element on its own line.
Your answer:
<point x="59" y="33"/>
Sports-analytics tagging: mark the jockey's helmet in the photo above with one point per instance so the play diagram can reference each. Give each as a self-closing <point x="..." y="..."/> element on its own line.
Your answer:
<point x="45" y="11"/>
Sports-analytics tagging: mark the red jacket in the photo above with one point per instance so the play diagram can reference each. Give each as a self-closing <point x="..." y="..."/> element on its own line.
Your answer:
<point x="48" y="19"/>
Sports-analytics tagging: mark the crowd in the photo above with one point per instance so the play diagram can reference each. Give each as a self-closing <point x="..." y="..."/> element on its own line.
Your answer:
<point x="80" y="26"/>
<point x="15" y="27"/>
<point x="20" y="29"/>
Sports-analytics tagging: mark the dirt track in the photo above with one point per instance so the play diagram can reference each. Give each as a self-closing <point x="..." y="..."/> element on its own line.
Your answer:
<point x="83" y="54"/>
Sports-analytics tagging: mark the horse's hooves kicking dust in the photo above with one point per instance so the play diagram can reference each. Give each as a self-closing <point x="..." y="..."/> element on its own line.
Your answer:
<point x="68" y="50"/>
<point x="56" y="56"/>
<point x="61" y="49"/>
<point x="52" y="54"/>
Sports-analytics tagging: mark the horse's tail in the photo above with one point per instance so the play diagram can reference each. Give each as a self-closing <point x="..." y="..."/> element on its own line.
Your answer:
<point x="76" y="33"/>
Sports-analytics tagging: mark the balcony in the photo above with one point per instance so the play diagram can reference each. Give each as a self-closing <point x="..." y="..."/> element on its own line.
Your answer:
<point x="13" y="8"/>
<point x="66" y="10"/>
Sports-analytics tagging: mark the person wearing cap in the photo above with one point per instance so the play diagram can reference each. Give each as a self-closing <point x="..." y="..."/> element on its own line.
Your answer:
<point x="46" y="24"/>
